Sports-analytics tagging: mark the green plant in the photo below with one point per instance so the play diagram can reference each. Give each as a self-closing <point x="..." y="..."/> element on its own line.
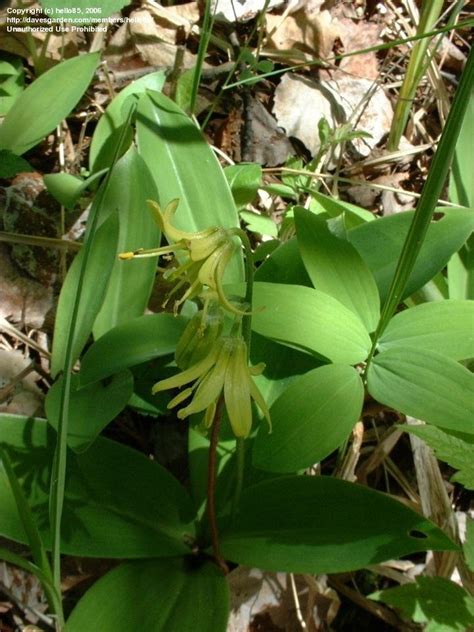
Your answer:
<point x="309" y="339"/>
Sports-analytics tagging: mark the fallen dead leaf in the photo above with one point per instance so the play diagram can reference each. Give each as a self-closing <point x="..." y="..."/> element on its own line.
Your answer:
<point x="22" y="397"/>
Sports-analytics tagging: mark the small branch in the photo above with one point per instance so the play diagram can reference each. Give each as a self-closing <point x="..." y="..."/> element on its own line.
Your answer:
<point x="211" y="486"/>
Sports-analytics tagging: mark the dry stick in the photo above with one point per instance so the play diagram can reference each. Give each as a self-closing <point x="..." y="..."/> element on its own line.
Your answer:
<point x="211" y="486"/>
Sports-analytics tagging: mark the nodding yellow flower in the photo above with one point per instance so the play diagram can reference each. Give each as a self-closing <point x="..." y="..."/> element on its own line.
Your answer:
<point x="203" y="257"/>
<point x="224" y="369"/>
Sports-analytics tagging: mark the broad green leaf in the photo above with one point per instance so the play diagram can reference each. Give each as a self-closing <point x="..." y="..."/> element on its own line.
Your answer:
<point x="11" y="164"/>
<point x="318" y="524"/>
<point x="321" y="203"/>
<point x="424" y="385"/>
<point x="130" y="282"/>
<point x="46" y="102"/>
<point x="91" y="407"/>
<point x="380" y="244"/>
<point x="310" y="320"/>
<point x="461" y="272"/>
<point x="104" y="137"/>
<point x="449" y="448"/>
<point x="434" y="600"/>
<point x="311" y="419"/>
<point x="82" y="11"/>
<point x="446" y="327"/>
<point x="118" y="502"/>
<point x="131" y="343"/>
<point x="244" y="181"/>
<point x="335" y="267"/>
<point x="12" y="80"/>
<point x="100" y="263"/>
<point x="259" y="223"/>
<point x="66" y="188"/>
<point x="284" y="265"/>
<point x="172" y="595"/>
<point x="183" y="166"/>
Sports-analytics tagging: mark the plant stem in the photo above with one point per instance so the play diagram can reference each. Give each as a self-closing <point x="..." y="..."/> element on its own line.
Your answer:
<point x="240" y="465"/>
<point x="211" y="486"/>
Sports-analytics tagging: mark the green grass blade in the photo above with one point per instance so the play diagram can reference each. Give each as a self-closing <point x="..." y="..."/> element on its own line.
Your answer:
<point x="58" y="475"/>
<point x="429" y="198"/>
<point x="206" y="32"/>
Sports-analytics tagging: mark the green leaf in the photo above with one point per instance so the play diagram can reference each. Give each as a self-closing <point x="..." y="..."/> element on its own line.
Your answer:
<point x="284" y="265"/>
<point x="91" y="407"/>
<point x="321" y="203"/>
<point x="445" y="327"/>
<point x="12" y="82"/>
<point x="318" y="524"/>
<point x="311" y="419"/>
<point x="449" y="448"/>
<point x="424" y="385"/>
<point x="259" y="223"/>
<point x="11" y="164"/>
<point x="468" y="547"/>
<point x="80" y="10"/>
<point x="156" y="596"/>
<point x="131" y="343"/>
<point x="99" y="266"/>
<point x="335" y="267"/>
<point x="66" y="188"/>
<point x="151" y="515"/>
<point x="380" y="244"/>
<point x="310" y="320"/>
<point x="244" y="181"/>
<point x="46" y="102"/>
<point x="184" y="167"/>
<point x="461" y="181"/>
<point x="105" y="134"/>
<point x="432" y="599"/>
<point x="130" y="282"/>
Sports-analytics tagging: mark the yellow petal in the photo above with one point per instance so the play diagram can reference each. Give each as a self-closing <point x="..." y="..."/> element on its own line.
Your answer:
<point x="189" y="375"/>
<point x="202" y="247"/>
<point x="258" y="399"/>
<point x="180" y="398"/>
<point x="237" y="391"/>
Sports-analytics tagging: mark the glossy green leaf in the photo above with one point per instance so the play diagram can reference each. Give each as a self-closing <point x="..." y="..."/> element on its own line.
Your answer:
<point x="335" y="267"/>
<point x="172" y="595"/>
<point x="448" y="448"/>
<point x="46" y="102"/>
<point x="67" y="189"/>
<point x="434" y="600"/>
<point x="100" y="263"/>
<point x="151" y="516"/>
<point x="244" y="181"/>
<point x="380" y="244"/>
<point x="311" y="419"/>
<point x="104" y="137"/>
<point x="91" y="407"/>
<point x="424" y="385"/>
<point x="131" y="343"/>
<point x="311" y="320"/>
<point x="82" y="11"/>
<point x="130" y="282"/>
<point x="318" y="524"/>
<point x="169" y="142"/>
<point x="446" y="327"/>
<point x="321" y="203"/>
<point x="12" y="80"/>
<point x="259" y="223"/>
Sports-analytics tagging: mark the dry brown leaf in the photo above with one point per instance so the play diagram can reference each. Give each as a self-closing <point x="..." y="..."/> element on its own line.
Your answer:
<point x="300" y="103"/>
<point x="357" y="36"/>
<point x="23" y="397"/>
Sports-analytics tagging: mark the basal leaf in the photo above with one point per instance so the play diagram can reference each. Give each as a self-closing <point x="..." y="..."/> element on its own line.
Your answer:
<point x="104" y="137"/>
<point x="446" y="327"/>
<point x="311" y="320"/>
<point x="433" y="600"/>
<point x="318" y="524"/>
<point x="100" y="263"/>
<point x="91" y="407"/>
<point x="244" y="181"/>
<point x="310" y="419"/>
<point x="118" y="503"/>
<point x="11" y="164"/>
<point x="131" y="343"/>
<point x="449" y="448"/>
<point x="284" y="265"/>
<point x="335" y="267"/>
<point x="130" y="282"/>
<point x="424" y="385"/>
<point x="156" y="596"/>
<point x="380" y="244"/>
<point x="169" y="142"/>
<point x="46" y="102"/>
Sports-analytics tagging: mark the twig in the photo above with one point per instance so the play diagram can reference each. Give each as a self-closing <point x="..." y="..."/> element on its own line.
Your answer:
<point x="211" y="486"/>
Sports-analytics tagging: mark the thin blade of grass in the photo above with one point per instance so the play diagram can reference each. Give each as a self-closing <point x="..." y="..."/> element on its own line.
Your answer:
<point x="428" y="200"/>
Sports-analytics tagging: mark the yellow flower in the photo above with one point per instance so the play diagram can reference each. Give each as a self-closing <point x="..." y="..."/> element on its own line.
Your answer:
<point x="224" y="369"/>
